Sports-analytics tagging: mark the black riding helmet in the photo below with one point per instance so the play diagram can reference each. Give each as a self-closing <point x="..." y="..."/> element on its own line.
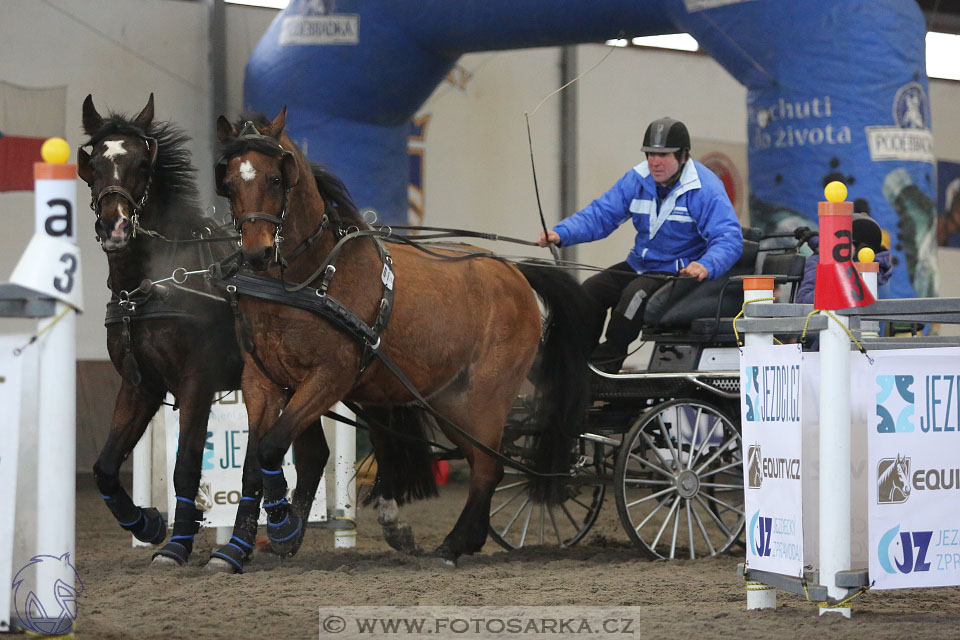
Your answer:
<point x="666" y="135"/>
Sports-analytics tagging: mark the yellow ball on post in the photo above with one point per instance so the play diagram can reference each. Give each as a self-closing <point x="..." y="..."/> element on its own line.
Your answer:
<point x="835" y="191"/>
<point x="866" y="254"/>
<point x="55" y="151"/>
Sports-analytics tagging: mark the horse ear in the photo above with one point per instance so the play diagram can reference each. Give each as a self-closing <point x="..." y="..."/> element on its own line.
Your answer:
<point x="278" y="124"/>
<point x="225" y="130"/>
<point x="91" y="119"/>
<point x="146" y="116"/>
<point x="84" y="170"/>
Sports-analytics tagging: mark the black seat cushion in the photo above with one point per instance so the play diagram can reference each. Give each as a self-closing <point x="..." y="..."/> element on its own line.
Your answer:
<point x="684" y="300"/>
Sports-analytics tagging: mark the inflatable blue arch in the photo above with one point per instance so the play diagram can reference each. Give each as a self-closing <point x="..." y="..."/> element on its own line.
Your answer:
<point x="837" y="89"/>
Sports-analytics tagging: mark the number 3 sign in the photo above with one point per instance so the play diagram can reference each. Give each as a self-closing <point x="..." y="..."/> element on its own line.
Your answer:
<point x="51" y="262"/>
<point x="52" y="267"/>
<point x="839" y="285"/>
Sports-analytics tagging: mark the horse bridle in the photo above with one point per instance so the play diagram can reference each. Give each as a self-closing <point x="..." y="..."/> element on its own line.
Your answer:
<point x="268" y="146"/>
<point x="135" y="205"/>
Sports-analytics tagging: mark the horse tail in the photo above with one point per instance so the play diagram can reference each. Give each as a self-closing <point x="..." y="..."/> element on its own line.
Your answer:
<point x="404" y="462"/>
<point x="560" y="372"/>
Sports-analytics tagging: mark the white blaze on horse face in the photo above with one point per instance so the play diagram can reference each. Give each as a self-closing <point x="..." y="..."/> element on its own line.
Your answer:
<point x="114" y="149"/>
<point x="247" y="172"/>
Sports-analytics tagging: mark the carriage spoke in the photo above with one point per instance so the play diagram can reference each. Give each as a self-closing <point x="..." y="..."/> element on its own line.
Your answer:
<point x="724" y="504"/>
<point x="715" y="517"/>
<point x="645" y="481"/>
<point x="652" y="496"/>
<point x="717" y="485"/>
<point x="703" y="531"/>
<point x="666" y="436"/>
<point x="526" y="525"/>
<point x="647" y="519"/>
<point x="556" y="529"/>
<point x="666" y="521"/>
<point x="694" y="436"/>
<point x="511" y="499"/>
<point x="736" y="463"/>
<point x="706" y="442"/>
<point x="690" y="529"/>
<point x="652" y="466"/>
<point x="676" y="529"/>
<point x="543" y="520"/>
<point x="723" y="448"/>
<point x="514" y="518"/>
<point x="570" y="517"/>
<point x="510" y="486"/>
<point x="666" y="468"/>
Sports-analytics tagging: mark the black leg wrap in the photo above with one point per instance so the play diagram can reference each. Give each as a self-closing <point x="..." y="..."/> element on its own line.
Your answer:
<point x="146" y="525"/>
<point x="186" y="524"/>
<point x="238" y="550"/>
<point x="284" y="525"/>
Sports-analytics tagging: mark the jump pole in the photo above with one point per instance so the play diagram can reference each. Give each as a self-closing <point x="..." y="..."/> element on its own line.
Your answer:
<point x="758" y="289"/>
<point x="345" y="480"/>
<point x="838" y="286"/>
<point x="51" y="265"/>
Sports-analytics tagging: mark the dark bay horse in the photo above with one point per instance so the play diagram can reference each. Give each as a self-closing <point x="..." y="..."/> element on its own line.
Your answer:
<point x="464" y="333"/>
<point x="148" y="219"/>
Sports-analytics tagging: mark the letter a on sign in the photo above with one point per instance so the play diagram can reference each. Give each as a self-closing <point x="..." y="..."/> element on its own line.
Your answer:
<point x="839" y="285"/>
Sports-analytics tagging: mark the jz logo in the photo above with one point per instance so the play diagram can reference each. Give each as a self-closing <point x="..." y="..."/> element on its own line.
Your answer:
<point x="751" y="394"/>
<point x="911" y="547"/>
<point x="761" y="529"/>
<point x="902" y="404"/>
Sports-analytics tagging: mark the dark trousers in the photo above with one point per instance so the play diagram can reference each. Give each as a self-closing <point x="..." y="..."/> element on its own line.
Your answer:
<point x="625" y="291"/>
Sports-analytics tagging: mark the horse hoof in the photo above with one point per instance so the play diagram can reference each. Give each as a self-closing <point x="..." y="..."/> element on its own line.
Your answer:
<point x="447" y="563"/>
<point x="164" y="562"/>
<point x="446" y="557"/>
<point x="219" y="565"/>
<point x="400" y="537"/>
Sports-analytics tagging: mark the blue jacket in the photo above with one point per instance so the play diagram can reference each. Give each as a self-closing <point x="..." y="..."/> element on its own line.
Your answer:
<point x="695" y="221"/>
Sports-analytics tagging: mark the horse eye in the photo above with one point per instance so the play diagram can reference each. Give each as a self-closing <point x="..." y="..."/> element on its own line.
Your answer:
<point x="275" y="180"/>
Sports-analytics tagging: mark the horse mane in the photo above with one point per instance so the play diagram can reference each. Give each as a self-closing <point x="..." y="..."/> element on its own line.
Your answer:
<point x="332" y="189"/>
<point x="174" y="176"/>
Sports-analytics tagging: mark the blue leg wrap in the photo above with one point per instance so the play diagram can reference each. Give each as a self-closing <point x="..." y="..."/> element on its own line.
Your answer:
<point x="238" y="550"/>
<point x="146" y="525"/>
<point x="186" y="524"/>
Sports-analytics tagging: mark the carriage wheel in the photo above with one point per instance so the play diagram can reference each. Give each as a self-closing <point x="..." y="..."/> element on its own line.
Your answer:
<point x="518" y="518"/>
<point x="679" y="481"/>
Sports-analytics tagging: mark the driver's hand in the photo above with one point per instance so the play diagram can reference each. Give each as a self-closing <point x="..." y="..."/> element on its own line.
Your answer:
<point x="548" y="238"/>
<point x="696" y="270"/>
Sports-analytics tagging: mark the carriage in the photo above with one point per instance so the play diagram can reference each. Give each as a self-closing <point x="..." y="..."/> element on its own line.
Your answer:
<point x="666" y="439"/>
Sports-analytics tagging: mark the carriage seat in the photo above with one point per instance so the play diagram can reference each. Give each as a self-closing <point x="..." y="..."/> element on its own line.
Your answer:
<point x="680" y="302"/>
<point x="693" y="307"/>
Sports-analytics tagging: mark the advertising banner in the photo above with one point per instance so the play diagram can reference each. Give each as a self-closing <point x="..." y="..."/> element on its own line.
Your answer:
<point x="771" y="408"/>
<point x="222" y="467"/>
<point x="914" y="484"/>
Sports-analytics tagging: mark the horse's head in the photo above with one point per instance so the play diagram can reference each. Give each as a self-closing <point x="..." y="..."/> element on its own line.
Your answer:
<point x="119" y="169"/>
<point x="256" y="171"/>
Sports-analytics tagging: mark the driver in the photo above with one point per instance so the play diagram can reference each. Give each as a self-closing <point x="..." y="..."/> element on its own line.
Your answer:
<point x="685" y="225"/>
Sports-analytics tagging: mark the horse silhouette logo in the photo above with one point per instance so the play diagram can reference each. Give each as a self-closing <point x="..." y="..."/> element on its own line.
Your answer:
<point x="754" y="467"/>
<point x="893" y="480"/>
<point x="910" y="109"/>
<point x="53" y="611"/>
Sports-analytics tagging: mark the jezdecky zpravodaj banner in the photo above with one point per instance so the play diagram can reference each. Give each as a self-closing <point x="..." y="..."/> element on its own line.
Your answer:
<point x="914" y="483"/>
<point x="770" y="409"/>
